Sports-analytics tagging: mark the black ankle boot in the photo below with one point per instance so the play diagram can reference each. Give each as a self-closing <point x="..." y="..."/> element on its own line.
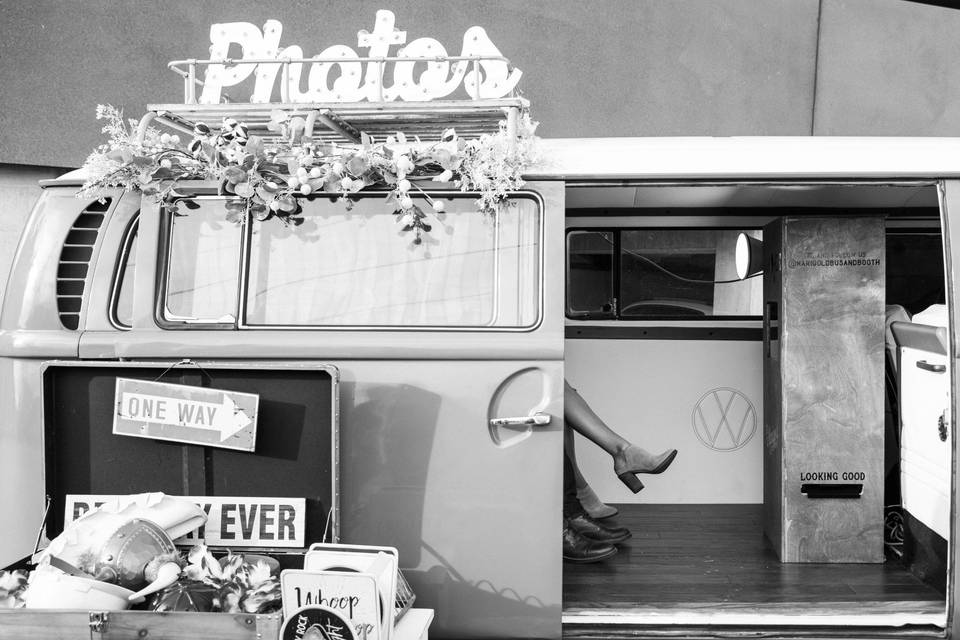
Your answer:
<point x="596" y="531"/>
<point x="577" y="548"/>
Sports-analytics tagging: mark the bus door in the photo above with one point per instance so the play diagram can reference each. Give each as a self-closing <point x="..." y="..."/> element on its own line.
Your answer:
<point x="450" y="358"/>
<point x="946" y="431"/>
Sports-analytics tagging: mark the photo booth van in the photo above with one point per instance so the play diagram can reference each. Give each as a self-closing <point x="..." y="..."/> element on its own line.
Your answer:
<point x="814" y="490"/>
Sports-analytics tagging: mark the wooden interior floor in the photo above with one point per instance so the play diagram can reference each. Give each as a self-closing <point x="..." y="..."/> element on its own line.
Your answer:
<point x="711" y="559"/>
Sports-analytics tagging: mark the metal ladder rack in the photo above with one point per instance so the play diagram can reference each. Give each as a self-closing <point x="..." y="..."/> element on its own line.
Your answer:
<point x="344" y="122"/>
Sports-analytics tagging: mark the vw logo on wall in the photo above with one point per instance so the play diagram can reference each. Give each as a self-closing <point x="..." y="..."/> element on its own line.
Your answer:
<point x="724" y="419"/>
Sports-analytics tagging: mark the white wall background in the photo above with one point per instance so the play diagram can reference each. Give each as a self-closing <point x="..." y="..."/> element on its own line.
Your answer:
<point x="647" y="390"/>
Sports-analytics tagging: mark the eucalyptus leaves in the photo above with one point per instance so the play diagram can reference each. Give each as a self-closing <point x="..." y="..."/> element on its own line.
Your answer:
<point x="270" y="178"/>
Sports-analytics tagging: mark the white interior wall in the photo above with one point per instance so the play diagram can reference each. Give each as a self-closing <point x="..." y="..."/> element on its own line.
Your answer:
<point x="649" y="391"/>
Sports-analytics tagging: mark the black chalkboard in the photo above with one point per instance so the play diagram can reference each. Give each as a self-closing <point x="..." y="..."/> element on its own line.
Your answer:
<point x="293" y="456"/>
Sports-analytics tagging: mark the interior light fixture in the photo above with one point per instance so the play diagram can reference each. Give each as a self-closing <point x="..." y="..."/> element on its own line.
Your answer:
<point x="749" y="256"/>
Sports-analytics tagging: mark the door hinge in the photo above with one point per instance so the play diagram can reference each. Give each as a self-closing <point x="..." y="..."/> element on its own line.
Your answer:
<point x="98" y="622"/>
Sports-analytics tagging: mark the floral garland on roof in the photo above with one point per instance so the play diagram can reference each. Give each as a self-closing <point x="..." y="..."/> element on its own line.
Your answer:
<point x="269" y="178"/>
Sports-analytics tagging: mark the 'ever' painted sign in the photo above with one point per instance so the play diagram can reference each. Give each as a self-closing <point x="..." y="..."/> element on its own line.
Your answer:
<point x="231" y="522"/>
<point x="194" y="415"/>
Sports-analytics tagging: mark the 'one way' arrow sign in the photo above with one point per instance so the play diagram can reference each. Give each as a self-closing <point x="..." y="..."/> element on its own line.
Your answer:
<point x="194" y="415"/>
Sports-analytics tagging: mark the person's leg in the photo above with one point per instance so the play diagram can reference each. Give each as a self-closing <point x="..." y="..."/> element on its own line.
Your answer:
<point x="628" y="459"/>
<point x="582" y="418"/>
<point x="588" y="499"/>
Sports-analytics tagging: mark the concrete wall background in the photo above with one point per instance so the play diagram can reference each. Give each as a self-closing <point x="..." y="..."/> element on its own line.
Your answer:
<point x="888" y="68"/>
<point x="610" y="67"/>
<point x="601" y="68"/>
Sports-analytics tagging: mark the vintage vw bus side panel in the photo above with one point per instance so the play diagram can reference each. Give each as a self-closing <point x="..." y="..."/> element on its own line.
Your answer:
<point x="465" y="474"/>
<point x="31" y="332"/>
<point x="473" y="508"/>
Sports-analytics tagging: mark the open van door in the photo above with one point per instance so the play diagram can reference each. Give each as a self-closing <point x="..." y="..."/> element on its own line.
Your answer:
<point x="950" y="213"/>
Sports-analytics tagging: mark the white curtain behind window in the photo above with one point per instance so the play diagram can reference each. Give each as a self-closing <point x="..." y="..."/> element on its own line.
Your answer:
<point x="204" y="264"/>
<point x="357" y="268"/>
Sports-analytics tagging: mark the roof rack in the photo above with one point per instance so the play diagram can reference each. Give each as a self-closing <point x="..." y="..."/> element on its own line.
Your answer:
<point x="345" y="122"/>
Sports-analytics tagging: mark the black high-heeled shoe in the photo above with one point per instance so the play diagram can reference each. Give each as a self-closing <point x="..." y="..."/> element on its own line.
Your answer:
<point x="634" y="460"/>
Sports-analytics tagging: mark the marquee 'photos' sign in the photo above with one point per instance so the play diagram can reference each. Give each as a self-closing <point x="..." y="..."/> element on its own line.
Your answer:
<point x="231" y="522"/>
<point x="343" y="77"/>
<point x="193" y="415"/>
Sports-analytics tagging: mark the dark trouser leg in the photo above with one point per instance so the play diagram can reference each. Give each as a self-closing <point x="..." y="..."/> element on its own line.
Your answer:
<point x="571" y="506"/>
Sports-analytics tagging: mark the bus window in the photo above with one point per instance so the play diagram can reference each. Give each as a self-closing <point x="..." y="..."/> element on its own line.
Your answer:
<point x="357" y="268"/>
<point x="121" y="308"/>
<point x="202" y="264"/>
<point x="639" y="274"/>
<point x="590" y="274"/>
<point x="915" y="268"/>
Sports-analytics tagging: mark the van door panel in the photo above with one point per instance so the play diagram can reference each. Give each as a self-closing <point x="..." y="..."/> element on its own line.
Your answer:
<point x="475" y="512"/>
<point x="21" y="456"/>
<point x="476" y="524"/>
<point x="924" y="433"/>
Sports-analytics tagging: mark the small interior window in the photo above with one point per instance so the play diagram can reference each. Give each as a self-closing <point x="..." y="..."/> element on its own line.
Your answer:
<point x="915" y="268"/>
<point x="203" y="261"/>
<point x="637" y="274"/>
<point x="590" y="286"/>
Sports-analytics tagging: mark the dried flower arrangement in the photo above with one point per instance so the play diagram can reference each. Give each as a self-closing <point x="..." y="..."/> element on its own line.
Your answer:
<point x="269" y="178"/>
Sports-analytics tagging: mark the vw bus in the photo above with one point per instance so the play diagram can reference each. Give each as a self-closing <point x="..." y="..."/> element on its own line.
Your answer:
<point x="412" y="392"/>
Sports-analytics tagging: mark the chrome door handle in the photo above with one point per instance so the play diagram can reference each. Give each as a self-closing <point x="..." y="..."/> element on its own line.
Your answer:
<point x="935" y="368"/>
<point x="537" y="419"/>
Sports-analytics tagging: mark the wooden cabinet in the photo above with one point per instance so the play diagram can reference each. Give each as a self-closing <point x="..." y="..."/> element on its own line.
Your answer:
<point x="823" y="388"/>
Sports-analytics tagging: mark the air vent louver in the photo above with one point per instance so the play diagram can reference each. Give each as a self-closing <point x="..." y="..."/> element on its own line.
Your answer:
<point x="74" y="264"/>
